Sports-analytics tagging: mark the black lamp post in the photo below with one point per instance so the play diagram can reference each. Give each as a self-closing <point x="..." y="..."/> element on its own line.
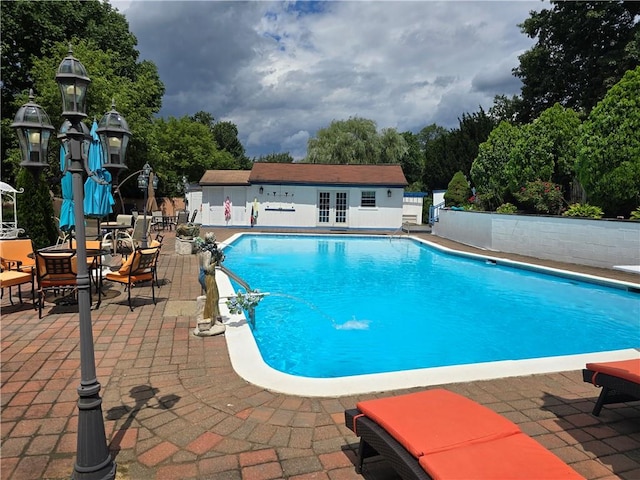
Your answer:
<point x="143" y="184"/>
<point x="93" y="460"/>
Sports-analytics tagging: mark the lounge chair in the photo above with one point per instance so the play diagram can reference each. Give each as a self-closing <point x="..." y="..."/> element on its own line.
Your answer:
<point x="440" y="434"/>
<point x="620" y="381"/>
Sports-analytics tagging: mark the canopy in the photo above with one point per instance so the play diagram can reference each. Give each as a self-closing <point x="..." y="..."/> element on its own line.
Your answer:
<point x="98" y="199"/>
<point x="152" y="205"/>
<point x="67" y="219"/>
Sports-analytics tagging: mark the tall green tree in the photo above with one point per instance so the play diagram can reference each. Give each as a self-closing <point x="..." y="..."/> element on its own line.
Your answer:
<point x="608" y="164"/>
<point x="186" y="147"/>
<point x="412" y="162"/>
<point x="505" y="109"/>
<point x="455" y="150"/>
<point x="355" y="141"/>
<point x="32" y="31"/>
<point x="582" y="49"/>
<point x="432" y="139"/>
<point x="546" y="149"/>
<point x="226" y="136"/>
<point x="35" y="39"/>
<point x="489" y="172"/>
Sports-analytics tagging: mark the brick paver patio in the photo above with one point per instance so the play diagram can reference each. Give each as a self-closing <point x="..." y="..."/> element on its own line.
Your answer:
<point x="175" y="409"/>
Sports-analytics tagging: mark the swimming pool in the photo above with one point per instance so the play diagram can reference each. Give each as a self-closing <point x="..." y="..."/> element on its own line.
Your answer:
<point x="343" y="306"/>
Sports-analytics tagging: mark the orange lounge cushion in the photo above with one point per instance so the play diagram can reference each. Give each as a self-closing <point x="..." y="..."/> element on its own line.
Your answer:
<point x="117" y="277"/>
<point x="18" y="250"/>
<point x="514" y="457"/>
<point x="10" y="278"/>
<point x="124" y="269"/>
<point x="625" y="369"/>
<point x="436" y="420"/>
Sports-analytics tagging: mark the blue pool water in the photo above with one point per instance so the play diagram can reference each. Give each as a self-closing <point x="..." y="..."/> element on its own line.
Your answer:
<point x="340" y="306"/>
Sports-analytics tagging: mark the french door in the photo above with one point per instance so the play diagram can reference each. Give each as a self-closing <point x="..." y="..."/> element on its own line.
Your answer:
<point x="332" y="208"/>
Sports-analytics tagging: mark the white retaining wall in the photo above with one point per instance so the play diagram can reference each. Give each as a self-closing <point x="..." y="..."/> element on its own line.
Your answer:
<point x="599" y="243"/>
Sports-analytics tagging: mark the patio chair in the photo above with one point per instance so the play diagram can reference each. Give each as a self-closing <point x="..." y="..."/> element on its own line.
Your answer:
<point x="140" y="267"/>
<point x="620" y="381"/>
<point x="62" y="235"/>
<point x="127" y="242"/>
<point x="15" y="278"/>
<point x="194" y="214"/>
<point x="440" y="434"/>
<point x="182" y="217"/>
<point x="18" y="251"/>
<point x="56" y="271"/>
<point x="156" y="220"/>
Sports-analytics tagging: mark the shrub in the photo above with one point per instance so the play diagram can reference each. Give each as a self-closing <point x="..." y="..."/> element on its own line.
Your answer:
<point x="458" y="191"/>
<point x="635" y="215"/>
<point x="507" y="208"/>
<point x="583" y="210"/>
<point x="541" y="197"/>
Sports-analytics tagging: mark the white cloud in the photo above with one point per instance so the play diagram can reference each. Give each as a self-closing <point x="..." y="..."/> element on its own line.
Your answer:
<point x="281" y="71"/>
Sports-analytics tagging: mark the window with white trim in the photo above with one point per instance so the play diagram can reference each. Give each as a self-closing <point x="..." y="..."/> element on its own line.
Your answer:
<point x="368" y="198"/>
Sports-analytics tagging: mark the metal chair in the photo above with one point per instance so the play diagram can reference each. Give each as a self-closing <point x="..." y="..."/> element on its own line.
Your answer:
<point x="56" y="271"/>
<point x="14" y="277"/>
<point x="127" y="242"/>
<point x="156" y="220"/>
<point x="140" y="267"/>
<point x="183" y="216"/>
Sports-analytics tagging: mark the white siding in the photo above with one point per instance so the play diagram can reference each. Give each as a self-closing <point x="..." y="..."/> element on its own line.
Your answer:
<point x="297" y="206"/>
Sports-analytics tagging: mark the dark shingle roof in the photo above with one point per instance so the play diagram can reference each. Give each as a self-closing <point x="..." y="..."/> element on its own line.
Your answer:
<point x="323" y="174"/>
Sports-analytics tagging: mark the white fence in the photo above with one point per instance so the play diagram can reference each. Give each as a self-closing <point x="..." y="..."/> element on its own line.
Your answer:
<point x="599" y="243"/>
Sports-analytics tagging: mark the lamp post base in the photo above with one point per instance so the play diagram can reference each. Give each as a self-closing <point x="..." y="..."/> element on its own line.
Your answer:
<point x="94" y="462"/>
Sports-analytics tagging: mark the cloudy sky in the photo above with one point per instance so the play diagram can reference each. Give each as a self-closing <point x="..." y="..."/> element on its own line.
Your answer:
<point x="282" y="70"/>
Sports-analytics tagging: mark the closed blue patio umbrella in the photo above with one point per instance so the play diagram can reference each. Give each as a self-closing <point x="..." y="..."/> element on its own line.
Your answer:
<point x="98" y="199"/>
<point x="67" y="219"/>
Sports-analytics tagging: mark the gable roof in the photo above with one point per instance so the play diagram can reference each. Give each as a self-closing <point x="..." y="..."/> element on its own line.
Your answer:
<point x="325" y="174"/>
<point x="225" y="177"/>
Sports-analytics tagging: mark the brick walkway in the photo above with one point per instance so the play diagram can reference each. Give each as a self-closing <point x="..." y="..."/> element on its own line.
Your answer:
<point x="175" y="409"/>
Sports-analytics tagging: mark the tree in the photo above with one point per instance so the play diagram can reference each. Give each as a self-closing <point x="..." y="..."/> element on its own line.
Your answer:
<point x="546" y="150"/>
<point x="275" y="158"/>
<point x="226" y="136"/>
<point x="505" y="109"/>
<point x="488" y="172"/>
<point x="355" y="141"/>
<point x="32" y="31"/>
<point x="608" y="163"/>
<point x="450" y="151"/>
<point x="458" y="191"/>
<point x="583" y="48"/>
<point x="186" y="147"/>
<point x="412" y="162"/>
<point x="432" y="139"/>
<point x="35" y="210"/>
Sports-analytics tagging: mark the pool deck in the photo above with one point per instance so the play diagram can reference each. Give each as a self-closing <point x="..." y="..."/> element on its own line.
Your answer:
<point x="175" y="408"/>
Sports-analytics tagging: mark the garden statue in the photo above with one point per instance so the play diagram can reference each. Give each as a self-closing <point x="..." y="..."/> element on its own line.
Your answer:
<point x="209" y="257"/>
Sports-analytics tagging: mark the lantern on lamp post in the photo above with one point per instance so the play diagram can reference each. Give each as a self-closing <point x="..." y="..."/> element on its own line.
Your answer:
<point x="34" y="129"/>
<point x="93" y="460"/>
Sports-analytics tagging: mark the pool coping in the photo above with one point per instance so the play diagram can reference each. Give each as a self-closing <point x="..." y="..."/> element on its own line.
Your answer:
<point x="248" y="363"/>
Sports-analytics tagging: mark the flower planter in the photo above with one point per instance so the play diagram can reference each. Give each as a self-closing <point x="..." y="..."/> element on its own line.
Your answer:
<point x="185" y="246"/>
